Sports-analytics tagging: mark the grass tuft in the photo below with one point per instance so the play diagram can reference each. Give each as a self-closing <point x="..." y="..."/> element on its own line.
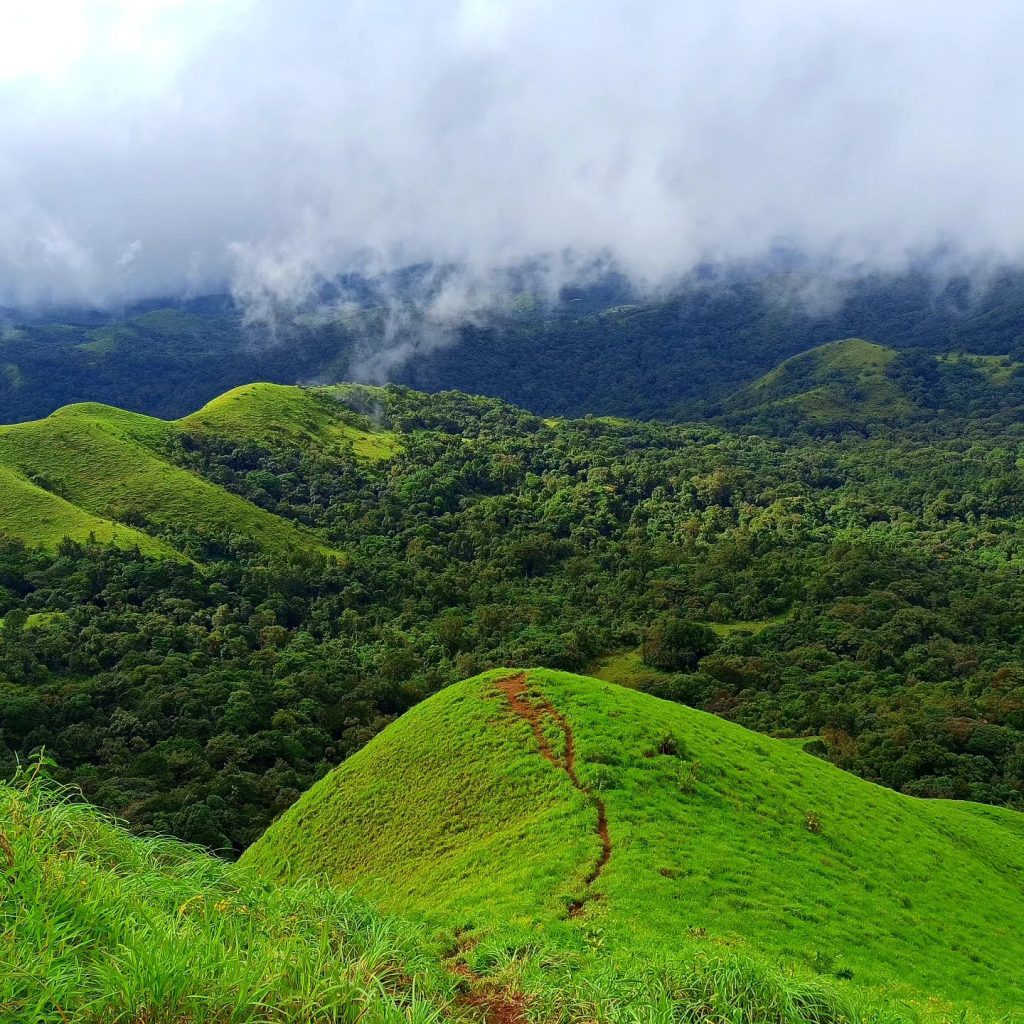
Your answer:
<point x="97" y="925"/>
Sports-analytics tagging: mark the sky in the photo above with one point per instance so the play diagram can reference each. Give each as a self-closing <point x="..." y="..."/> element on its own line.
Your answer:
<point x="156" y="147"/>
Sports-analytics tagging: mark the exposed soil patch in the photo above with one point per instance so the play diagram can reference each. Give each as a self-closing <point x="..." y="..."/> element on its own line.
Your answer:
<point x="533" y="711"/>
<point x="495" y="1004"/>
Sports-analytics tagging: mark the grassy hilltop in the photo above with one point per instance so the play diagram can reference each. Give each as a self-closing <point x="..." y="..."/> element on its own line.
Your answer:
<point x="841" y="380"/>
<point x="855" y="384"/>
<point x="721" y="841"/>
<point x="529" y="848"/>
<point x="93" y="469"/>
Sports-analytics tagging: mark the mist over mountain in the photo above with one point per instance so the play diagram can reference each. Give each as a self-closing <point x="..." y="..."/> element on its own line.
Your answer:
<point x="183" y="147"/>
<point x="603" y="348"/>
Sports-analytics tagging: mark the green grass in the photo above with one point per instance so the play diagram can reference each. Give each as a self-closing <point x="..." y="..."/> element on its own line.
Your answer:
<point x="751" y="626"/>
<point x="98" y="926"/>
<point x="92" y="470"/>
<point x="748" y="883"/>
<point x="106" y="467"/>
<point x="32" y="514"/>
<point x="839" y="381"/>
<point x="491" y="836"/>
<point x="627" y="668"/>
<point x="272" y="413"/>
<point x="737" y="854"/>
<point x="998" y="369"/>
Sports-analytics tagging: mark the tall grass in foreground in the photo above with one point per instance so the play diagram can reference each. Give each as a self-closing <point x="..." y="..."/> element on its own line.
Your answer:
<point x="101" y="927"/>
<point x="694" y="987"/>
<point x="97" y="925"/>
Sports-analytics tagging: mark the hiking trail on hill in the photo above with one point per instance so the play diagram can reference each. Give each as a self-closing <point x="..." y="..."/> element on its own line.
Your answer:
<point x="498" y="1005"/>
<point x="533" y="712"/>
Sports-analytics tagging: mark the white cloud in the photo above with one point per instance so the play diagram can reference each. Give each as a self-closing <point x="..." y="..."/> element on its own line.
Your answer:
<point x="272" y="141"/>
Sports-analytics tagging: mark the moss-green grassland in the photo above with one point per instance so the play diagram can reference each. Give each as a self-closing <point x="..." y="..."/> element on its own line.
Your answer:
<point x="724" y="844"/>
<point x="92" y="469"/>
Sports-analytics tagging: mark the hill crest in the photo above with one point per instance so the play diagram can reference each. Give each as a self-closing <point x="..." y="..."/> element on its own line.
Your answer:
<point x="94" y="470"/>
<point x="464" y="811"/>
<point x="853" y="383"/>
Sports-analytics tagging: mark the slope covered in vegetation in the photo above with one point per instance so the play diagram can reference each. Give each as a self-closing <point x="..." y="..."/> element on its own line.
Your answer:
<point x="854" y="384"/>
<point x="861" y="589"/>
<point x="515" y="802"/>
<point x="94" y="470"/>
<point x="271" y="414"/>
<point x="97" y="925"/>
<point x="599" y="349"/>
<point x="843" y="381"/>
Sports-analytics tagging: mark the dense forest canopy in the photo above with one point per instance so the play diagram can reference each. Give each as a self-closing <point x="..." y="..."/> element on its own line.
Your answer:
<point x="860" y="589"/>
<point x="601" y="349"/>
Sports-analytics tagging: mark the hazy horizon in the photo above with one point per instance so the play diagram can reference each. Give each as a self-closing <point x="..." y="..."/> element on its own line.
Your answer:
<point x="177" y="147"/>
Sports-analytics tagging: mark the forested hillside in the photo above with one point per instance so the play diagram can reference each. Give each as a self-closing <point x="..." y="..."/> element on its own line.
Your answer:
<point x="855" y="385"/>
<point x="859" y="590"/>
<point x="602" y="349"/>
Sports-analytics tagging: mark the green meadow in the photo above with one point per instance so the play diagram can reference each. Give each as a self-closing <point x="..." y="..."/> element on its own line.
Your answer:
<point x="99" y="926"/>
<point x="452" y="871"/>
<point x="92" y="470"/>
<point x="725" y="844"/>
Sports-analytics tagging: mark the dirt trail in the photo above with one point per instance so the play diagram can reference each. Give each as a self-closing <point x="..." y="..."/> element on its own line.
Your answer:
<point x="498" y="1005"/>
<point x="534" y="713"/>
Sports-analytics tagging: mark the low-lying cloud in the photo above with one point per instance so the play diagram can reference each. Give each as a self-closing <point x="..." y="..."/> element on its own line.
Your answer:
<point x="181" y="146"/>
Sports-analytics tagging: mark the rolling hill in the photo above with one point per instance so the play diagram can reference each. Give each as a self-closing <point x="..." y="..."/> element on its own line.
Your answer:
<point x="519" y="805"/>
<point x="856" y="384"/>
<point x="841" y="381"/>
<point x="91" y="469"/>
<point x="528" y="847"/>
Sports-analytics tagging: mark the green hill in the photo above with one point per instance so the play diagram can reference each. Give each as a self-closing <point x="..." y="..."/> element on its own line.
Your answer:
<point x="843" y="381"/>
<point x="601" y="817"/>
<point x="91" y="469"/>
<point x="853" y="384"/>
<point x="276" y="414"/>
<point x="528" y="847"/>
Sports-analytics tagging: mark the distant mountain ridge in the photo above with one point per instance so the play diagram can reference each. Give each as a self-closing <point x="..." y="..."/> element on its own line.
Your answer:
<point x="600" y="349"/>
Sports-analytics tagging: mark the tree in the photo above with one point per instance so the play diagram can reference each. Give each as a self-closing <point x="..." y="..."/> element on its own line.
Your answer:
<point x="673" y="644"/>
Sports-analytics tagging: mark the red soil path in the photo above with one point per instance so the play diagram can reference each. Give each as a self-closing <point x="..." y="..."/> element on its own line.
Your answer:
<point x="533" y="711"/>
<point x="497" y="1005"/>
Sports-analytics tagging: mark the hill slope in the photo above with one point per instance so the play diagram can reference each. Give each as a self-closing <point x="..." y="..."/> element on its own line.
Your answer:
<point x="855" y="384"/>
<point x="99" y="926"/>
<point x="843" y="381"/>
<point x="272" y="414"/>
<point x="484" y="808"/>
<point x="93" y="469"/>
